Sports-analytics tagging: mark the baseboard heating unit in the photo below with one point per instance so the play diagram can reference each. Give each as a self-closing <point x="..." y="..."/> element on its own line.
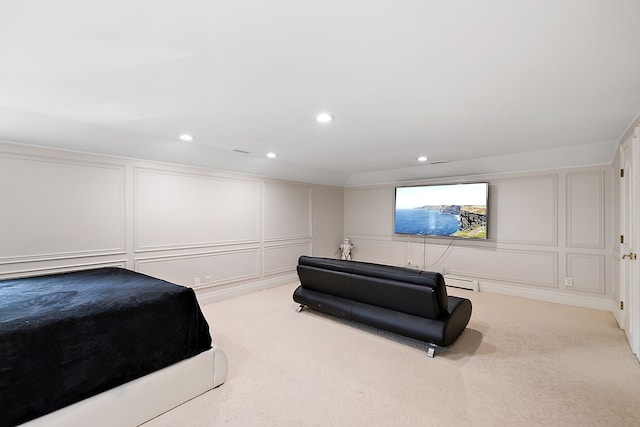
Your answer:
<point x="461" y="282"/>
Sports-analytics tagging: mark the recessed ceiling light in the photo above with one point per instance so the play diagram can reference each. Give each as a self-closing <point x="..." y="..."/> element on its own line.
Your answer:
<point x="423" y="158"/>
<point x="324" y="117"/>
<point x="186" y="137"/>
<point x="271" y="155"/>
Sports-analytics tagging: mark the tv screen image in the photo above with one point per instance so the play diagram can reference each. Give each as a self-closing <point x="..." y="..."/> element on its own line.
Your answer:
<point x="458" y="210"/>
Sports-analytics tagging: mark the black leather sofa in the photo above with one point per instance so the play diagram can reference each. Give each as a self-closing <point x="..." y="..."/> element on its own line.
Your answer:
<point x="405" y="301"/>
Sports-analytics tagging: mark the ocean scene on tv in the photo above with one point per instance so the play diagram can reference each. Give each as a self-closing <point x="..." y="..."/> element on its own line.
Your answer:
<point x="458" y="210"/>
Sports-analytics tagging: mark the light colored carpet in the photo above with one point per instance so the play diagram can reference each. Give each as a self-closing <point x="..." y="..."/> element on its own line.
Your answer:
<point x="519" y="363"/>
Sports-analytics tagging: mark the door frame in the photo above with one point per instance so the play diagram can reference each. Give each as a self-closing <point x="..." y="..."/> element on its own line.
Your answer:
<point x="629" y="286"/>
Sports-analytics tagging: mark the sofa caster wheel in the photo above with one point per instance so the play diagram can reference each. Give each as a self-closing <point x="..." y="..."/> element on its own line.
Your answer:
<point x="301" y="308"/>
<point x="431" y="352"/>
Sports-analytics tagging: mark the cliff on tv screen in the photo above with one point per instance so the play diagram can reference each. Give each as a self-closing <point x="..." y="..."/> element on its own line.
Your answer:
<point x="452" y="210"/>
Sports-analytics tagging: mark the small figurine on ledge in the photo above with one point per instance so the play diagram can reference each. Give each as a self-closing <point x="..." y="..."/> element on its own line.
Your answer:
<point x="346" y="247"/>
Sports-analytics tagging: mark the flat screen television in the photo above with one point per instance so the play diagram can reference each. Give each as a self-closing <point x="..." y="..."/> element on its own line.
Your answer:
<point x="452" y="210"/>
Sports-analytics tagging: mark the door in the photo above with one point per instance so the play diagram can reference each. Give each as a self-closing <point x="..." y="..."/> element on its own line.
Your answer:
<point x="629" y="245"/>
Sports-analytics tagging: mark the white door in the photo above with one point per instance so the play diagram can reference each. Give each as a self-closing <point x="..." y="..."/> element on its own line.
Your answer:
<point x="630" y="224"/>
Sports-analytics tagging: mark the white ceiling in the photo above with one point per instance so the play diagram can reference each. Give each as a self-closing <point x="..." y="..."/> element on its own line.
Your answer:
<point x="485" y="86"/>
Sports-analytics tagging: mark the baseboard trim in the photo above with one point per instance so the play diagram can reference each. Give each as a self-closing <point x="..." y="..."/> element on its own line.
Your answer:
<point x="548" y="296"/>
<point x="208" y="296"/>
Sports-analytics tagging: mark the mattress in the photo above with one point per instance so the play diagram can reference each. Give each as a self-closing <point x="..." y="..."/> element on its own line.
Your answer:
<point x="69" y="336"/>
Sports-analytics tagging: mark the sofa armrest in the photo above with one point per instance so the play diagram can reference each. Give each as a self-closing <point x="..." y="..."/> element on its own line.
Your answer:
<point x="456" y="319"/>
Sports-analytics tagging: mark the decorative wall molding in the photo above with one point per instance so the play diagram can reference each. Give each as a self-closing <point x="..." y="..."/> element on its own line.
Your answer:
<point x="378" y="251"/>
<point x="529" y="267"/>
<point x="526" y="267"/>
<point x="585" y="210"/>
<point x="538" y="235"/>
<point x="527" y="210"/>
<point x="62" y="208"/>
<point x="218" y="293"/>
<point x="254" y="246"/>
<point x="369" y="211"/>
<point x="193" y="210"/>
<point x="287" y="211"/>
<point x="587" y="272"/>
<point x="59" y="256"/>
<point x="176" y="222"/>
<point x="283" y="258"/>
<point x="220" y="267"/>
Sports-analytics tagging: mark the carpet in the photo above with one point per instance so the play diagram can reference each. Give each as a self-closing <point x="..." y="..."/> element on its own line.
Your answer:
<point x="518" y="363"/>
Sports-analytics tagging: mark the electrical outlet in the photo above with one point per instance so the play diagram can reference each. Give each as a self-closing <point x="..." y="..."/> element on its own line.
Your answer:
<point x="409" y="262"/>
<point x="207" y="279"/>
<point x="197" y="280"/>
<point x="568" y="282"/>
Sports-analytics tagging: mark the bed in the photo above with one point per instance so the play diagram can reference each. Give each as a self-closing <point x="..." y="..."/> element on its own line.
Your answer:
<point x="104" y="346"/>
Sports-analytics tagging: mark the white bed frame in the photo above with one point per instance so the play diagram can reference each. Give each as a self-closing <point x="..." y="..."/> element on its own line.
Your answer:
<point x="140" y="400"/>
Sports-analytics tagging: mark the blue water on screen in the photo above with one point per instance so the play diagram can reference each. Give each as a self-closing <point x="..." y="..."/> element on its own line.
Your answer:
<point x="424" y="221"/>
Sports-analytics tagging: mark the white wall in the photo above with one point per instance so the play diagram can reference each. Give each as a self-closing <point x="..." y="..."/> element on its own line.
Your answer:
<point x="237" y="233"/>
<point x="543" y="227"/>
<point x="328" y="214"/>
<point x="221" y="233"/>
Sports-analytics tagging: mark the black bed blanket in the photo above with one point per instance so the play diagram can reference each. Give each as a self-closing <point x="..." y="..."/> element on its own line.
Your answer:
<point x="66" y="337"/>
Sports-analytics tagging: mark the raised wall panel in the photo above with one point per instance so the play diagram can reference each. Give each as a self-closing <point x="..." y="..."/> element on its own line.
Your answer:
<point x="587" y="272"/>
<point x="369" y="211"/>
<point x="585" y="210"/>
<point x="526" y="267"/>
<point x="284" y="258"/>
<point x="287" y="211"/>
<point x="432" y="257"/>
<point x="381" y="252"/>
<point x="527" y="211"/>
<point x="178" y="210"/>
<point x="55" y="209"/>
<point x="222" y="267"/>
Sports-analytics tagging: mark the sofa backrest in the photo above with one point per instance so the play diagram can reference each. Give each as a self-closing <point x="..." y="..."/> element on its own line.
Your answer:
<point x="411" y="291"/>
<point x="333" y="282"/>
